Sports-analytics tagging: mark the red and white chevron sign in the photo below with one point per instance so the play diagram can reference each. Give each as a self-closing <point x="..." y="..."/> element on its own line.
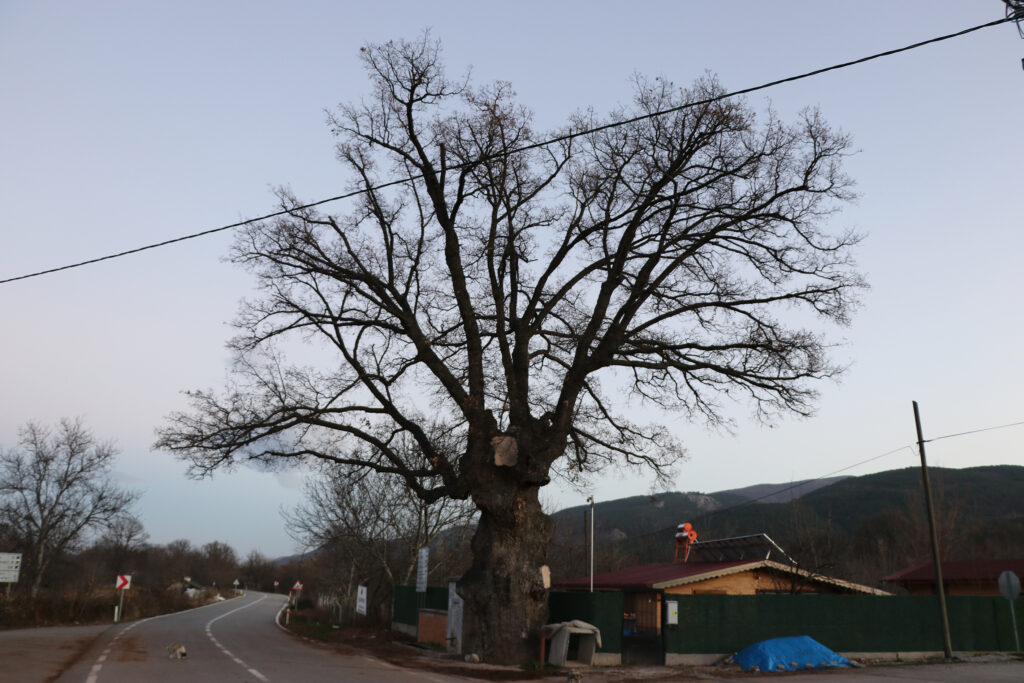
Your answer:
<point x="124" y="581"/>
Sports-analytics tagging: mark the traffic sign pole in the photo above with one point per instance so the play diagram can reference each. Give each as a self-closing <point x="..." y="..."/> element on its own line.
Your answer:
<point x="123" y="582"/>
<point x="1013" y="620"/>
<point x="1009" y="586"/>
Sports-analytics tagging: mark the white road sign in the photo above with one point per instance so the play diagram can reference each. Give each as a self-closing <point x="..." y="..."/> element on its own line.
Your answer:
<point x="1009" y="585"/>
<point x="361" y="600"/>
<point x="421" y="570"/>
<point x="454" y="631"/>
<point x="10" y="567"/>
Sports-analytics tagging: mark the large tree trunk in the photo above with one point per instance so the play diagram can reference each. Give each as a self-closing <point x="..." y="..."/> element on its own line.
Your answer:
<point x="506" y="601"/>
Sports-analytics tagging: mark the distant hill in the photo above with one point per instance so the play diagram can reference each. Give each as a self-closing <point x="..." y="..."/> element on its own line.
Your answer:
<point x="979" y="501"/>
<point x="288" y="559"/>
<point x="641" y="514"/>
<point x="779" y="493"/>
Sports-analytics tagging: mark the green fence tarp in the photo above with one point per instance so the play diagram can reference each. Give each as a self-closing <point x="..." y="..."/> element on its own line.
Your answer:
<point x="713" y="624"/>
<point x="408" y="603"/>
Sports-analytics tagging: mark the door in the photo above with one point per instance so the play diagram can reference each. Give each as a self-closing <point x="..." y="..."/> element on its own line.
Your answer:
<point x="642" y="643"/>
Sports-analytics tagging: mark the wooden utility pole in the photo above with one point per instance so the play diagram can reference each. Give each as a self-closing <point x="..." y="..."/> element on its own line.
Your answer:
<point x="947" y="646"/>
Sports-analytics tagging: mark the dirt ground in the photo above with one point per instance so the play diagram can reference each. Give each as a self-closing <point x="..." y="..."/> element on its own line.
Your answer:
<point x="400" y="651"/>
<point x="42" y="654"/>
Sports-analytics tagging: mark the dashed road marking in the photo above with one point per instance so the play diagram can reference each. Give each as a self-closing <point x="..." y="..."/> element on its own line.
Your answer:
<point x="258" y="675"/>
<point x="94" y="672"/>
<point x="209" y="634"/>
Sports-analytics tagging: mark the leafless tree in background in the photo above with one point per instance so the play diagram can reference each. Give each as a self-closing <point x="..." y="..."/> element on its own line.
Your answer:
<point x="499" y="305"/>
<point x="375" y="527"/>
<point x="258" y="572"/>
<point x="55" y="490"/>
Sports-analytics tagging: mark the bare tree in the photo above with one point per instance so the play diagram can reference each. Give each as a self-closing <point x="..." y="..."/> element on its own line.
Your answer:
<point x="56" y="489"/>
<point x="218" y="565"/>
<point x="376" y="520"/>
<point x="496" y="305"/>
<point x="121" y="547"/>
<point x="258" y="571"/>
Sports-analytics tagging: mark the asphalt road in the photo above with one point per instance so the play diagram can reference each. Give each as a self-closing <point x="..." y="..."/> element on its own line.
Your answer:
<point x="234" y="640"/>
<point x="240" y="640"/>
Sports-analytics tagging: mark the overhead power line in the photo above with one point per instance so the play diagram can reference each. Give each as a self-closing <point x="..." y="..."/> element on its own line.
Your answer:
<point x="704" y="516"/>
<point x="524" y="148"/>
<point x="798" y="484"/>
<point x="975" y="431"/>
<point x="775" y="492"/>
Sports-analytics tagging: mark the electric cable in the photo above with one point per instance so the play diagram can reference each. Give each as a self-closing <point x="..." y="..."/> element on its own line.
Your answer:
<point x="704" y="516"/>
<point x="517" y="150"/>
<point x="975" y="431"/>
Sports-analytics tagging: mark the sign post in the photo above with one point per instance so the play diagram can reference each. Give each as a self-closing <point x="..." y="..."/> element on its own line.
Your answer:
<point x="123" y="583"/>
<point x="297" y="590"/>
<point x="10" y="569"/>
<point x="361" y="601"/>
<point x="235" y="584"/>
<point x="422" y="570"/>
<point x="1009" y="586"/>
<point x="453" y="637"/>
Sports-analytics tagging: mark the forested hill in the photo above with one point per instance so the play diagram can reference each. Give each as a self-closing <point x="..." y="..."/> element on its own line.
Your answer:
<point x="878" y="517"/>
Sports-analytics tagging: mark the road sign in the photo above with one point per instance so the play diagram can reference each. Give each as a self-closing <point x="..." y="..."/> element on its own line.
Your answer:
<point x="124" y="582"/>
<point x="236" y="583"/>
<point x="1009" y="585"/>
<point x="10" y="567"/>
<point x="297" y="586"/>
<point x="276" y="583"/>
<point x="361" y="601"/>
<point x="422" y="568"/>
<point x="454" y="630"/>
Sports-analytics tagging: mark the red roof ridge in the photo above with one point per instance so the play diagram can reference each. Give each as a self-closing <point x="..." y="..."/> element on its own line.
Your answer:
<point x="962" y="570"/>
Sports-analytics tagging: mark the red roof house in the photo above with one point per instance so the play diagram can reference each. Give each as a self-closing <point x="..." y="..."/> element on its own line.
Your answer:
<point x="962" y="577"/>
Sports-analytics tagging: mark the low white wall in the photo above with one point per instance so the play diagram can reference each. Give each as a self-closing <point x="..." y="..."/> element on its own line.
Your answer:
<point x="607" y="659"/>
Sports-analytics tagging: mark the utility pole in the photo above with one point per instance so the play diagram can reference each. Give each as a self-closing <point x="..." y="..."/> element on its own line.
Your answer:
<point x="591" y="500"/>
<point x="947" y="646"/>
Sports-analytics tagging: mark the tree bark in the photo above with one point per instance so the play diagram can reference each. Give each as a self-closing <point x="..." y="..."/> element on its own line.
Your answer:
<point x="506" y="601"/>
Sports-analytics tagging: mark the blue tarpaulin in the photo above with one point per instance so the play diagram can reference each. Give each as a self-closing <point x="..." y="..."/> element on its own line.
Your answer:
<point x="789" y="654"/>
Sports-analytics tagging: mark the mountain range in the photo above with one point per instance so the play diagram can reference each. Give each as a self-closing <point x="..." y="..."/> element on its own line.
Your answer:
<point x="881" y="516"/>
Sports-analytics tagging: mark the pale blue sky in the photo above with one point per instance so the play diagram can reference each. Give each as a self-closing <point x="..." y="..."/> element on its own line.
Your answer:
<point x="126" y="123"/>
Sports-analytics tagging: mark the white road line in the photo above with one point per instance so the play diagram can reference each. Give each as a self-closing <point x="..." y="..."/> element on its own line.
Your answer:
<point x="258" y="675"/>
<point x="94" y="672"/>
<point x="223" y="649"/>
